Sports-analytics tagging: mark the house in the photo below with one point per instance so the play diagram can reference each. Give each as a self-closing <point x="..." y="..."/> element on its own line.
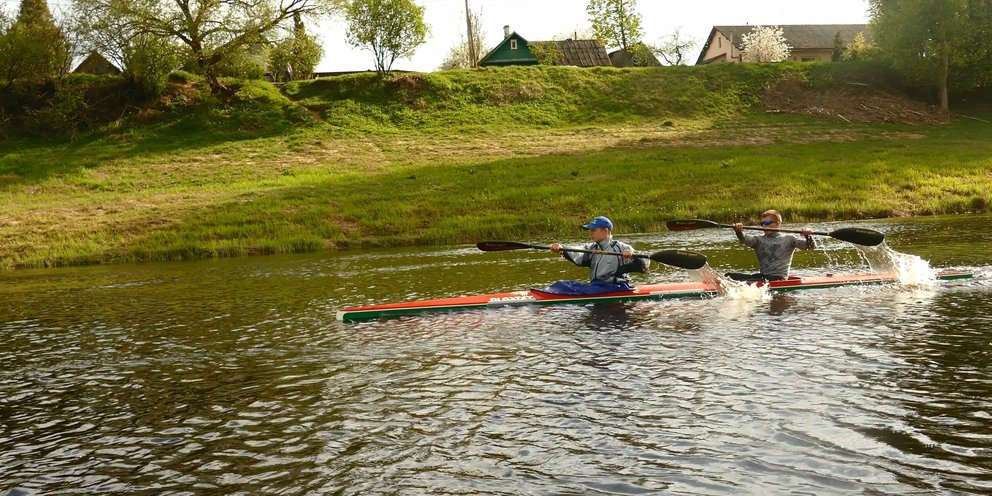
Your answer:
<point x="515" y="50"/>
<point x="95" y="63"/>
<point x="809" y="42"/>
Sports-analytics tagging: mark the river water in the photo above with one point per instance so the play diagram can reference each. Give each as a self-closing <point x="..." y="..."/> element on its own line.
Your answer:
<point x="232" y="377"/>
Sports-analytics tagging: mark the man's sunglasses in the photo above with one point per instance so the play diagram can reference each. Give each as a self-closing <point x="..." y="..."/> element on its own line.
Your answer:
<point x="768" y="222"/>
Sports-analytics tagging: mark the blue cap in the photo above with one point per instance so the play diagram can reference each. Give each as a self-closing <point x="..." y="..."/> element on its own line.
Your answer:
<point x="599" y="222"/>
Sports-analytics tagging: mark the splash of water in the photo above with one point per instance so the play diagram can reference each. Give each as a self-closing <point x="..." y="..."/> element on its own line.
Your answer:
<point x="909" y="269"/>
<point x="730" y="289"/>
<point x="737" y="290"/>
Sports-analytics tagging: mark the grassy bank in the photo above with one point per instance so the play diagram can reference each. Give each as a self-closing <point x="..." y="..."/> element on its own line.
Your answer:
<point x="467" y="155"/>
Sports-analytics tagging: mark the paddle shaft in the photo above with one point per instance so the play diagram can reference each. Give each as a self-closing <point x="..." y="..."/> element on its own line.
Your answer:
<point x="675" y="258"/>
<point x="856" y="235"/>
<point x="759" y="228"/>
<point x="580" y="250"/>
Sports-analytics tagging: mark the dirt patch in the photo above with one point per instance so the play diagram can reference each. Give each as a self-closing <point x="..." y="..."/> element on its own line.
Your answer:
<point x="849" y="102"/>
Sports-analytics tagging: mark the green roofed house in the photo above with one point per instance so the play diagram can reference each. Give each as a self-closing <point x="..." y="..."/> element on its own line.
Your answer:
<point x="515" y="50"/>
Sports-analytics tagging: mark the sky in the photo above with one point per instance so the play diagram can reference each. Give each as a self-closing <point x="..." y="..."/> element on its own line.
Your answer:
<point x="547" y="19"/>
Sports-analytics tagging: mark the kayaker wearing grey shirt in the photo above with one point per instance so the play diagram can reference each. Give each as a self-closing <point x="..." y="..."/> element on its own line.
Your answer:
<point x="774" y="249"/>
<point x="605" y="268"/>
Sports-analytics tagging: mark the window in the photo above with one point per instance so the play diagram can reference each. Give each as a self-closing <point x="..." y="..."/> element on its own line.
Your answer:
<point x="513" y="44"/>
<point x="809" y="59"/>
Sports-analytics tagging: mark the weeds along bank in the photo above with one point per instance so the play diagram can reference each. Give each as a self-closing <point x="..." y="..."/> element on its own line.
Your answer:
<point x="459" y="156"/>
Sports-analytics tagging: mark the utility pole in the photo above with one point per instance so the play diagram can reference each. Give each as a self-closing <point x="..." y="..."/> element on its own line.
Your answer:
<point x="471" y="39"/>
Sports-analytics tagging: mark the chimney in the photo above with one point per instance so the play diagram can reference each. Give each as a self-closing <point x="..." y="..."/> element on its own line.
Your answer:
<point x="506" y="31"/>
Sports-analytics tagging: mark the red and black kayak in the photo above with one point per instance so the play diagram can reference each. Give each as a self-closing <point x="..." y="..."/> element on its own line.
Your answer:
<point x="645" y="292"/>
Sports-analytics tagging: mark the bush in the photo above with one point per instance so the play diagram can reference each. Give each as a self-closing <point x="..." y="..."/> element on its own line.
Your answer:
<point x="180" y="76"/>
<point x="64" y="114"/>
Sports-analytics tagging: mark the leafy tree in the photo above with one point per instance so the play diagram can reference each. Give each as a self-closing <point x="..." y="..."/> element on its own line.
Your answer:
<point x="33" y="48"/>
<point x="977" y="72"/>
<point x="216" y="33"/>
<point x="615" y="22"/>
<point x="459" y="56"/>
<point x="933" y="41"/>
<point x="764" y="44"/>
<point x="295" y="57"/>
<point x="859" y="48"/>
<point x="144" y="59"/>
<point x="391" y="29"/>
<point x="675" y="49"/>
<point x="546" y="52"/>
<point x="918" y="38"/>
<point x="838" y="52"/>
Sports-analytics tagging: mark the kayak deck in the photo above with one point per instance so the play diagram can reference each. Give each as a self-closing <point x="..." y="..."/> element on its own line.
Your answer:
<point x="644" y="292"/>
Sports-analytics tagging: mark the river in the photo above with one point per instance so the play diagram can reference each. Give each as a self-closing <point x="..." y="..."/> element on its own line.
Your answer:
<point x="233" y="377"/>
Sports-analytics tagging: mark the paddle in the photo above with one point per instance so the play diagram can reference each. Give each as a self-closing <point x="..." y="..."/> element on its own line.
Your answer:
<point x="856" y="235"/>
<point x="676" y="258"/>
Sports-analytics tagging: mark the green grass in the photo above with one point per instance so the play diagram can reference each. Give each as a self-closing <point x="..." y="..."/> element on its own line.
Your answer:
<point x="461" y="156"/>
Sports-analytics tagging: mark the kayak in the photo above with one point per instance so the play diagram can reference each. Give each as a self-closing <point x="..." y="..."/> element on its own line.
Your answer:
<point x="646" y="292"/>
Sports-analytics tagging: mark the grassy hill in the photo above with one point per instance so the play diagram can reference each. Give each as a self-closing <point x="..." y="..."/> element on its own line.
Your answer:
<point x="458" y="156"/>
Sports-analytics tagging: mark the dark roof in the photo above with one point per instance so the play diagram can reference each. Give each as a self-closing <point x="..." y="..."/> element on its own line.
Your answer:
<point x="583" y="53"/>
<point x="625" y="58"/>
<point x="95" y="63"/>
<point x="797" y="36"/>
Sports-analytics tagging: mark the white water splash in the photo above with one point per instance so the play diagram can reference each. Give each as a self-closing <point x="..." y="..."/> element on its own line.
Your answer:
<point x="910" y="270"/>
<point x="737" y="290"/>
<point x="730" y="289"/>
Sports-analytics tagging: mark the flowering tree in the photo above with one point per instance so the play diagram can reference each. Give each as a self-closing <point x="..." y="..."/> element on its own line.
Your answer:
<point x="764" y="44"/>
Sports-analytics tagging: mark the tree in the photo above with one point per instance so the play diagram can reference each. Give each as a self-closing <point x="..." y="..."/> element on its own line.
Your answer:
<point x="295" y="57"/>
<point x="675" y="49"/>
<point x="459" y="56"/>
<point x="764" y="44"/>
<point x="547" y="52"/>
<point x="214" y="32"/>
<point x="859" y="48"/>
<point x="838" y="53"/>
<point x="615" y="22"/>
<point x="391" y="29"/>
<point x="145" y="59"/>
<point x="933" y="41"/>
<point x="33" y="48"/>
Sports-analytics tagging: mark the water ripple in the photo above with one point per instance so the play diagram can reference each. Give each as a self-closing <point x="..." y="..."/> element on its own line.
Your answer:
<point x="232" y="378"/>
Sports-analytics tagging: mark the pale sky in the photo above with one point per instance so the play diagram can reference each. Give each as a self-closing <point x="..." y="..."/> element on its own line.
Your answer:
<point x="544" y="19"/>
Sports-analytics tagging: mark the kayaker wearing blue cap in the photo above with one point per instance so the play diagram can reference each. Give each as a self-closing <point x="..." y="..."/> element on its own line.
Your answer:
<point x="605" y="269"/>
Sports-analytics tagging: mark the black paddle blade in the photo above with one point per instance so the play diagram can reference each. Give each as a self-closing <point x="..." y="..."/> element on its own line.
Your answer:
<point x="680" y="258"/>
<point x="858" y="236"/>
<point x="500" y="245"/>
<point x="506" y="245"/>
<point x="689" y="224"/>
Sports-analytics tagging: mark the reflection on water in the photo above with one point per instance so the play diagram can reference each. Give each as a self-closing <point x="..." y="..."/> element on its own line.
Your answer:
<point x="232" y="377"/>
